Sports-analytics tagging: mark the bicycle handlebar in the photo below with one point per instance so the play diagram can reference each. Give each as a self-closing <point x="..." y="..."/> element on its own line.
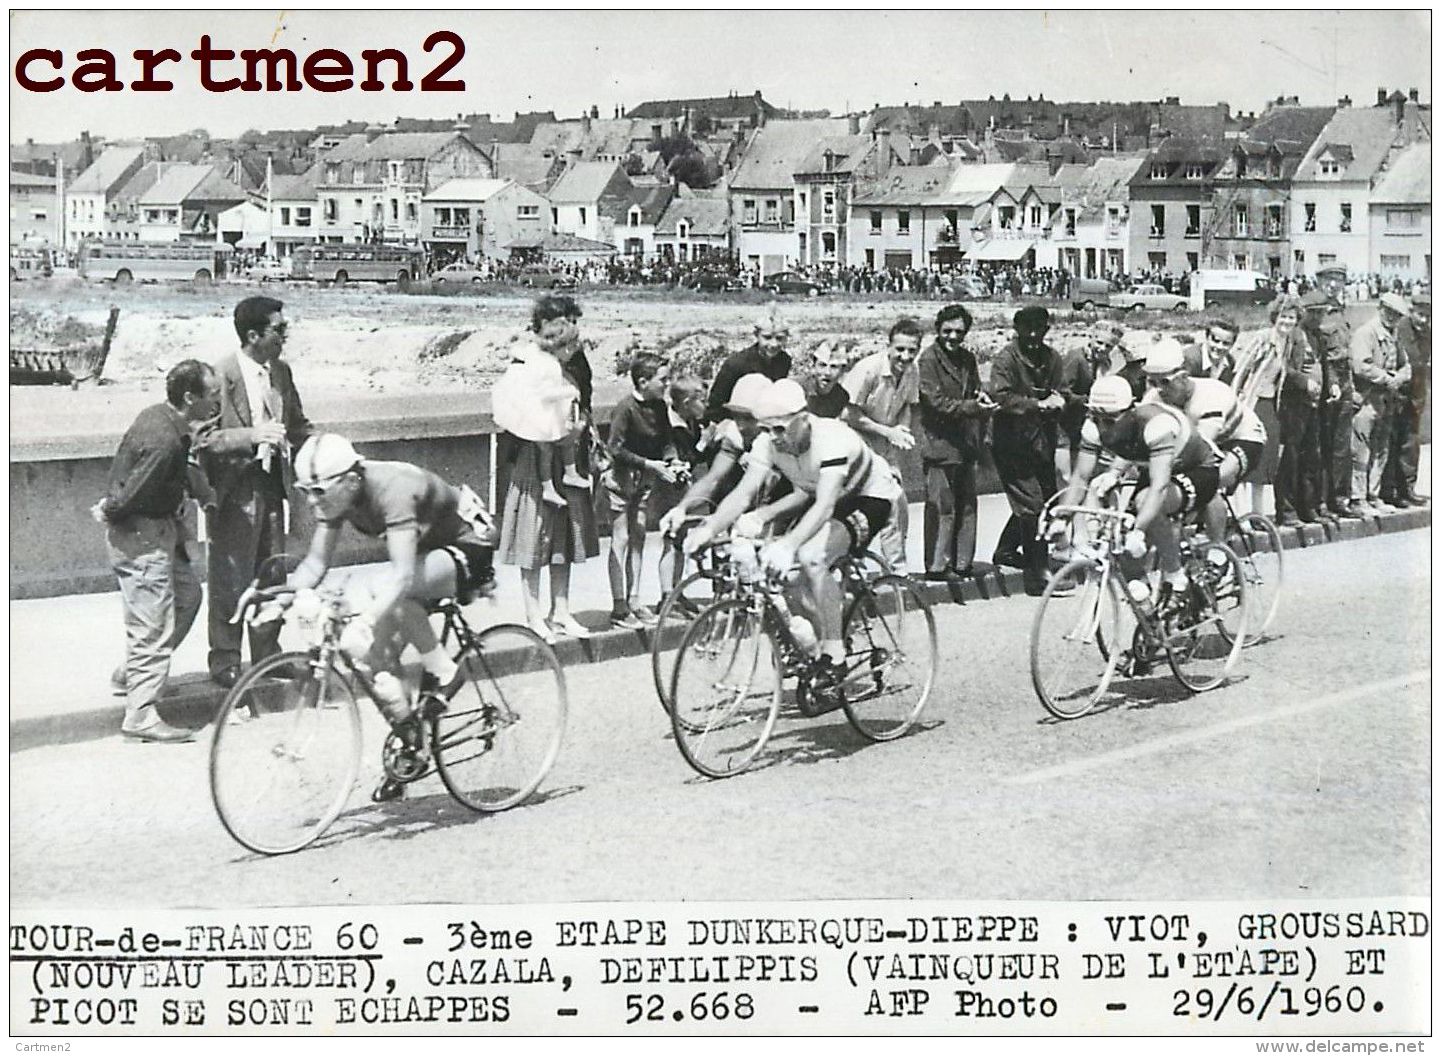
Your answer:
<point x="1126" y="519"/>
<point x="255" y="594"/>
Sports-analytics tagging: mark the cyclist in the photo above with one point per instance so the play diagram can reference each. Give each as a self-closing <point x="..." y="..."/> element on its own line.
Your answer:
<point x="1177" y="468"/>
<point x="842" y="494"/>
<point x="1219" y="417"/>
<point x="440" y="543"/>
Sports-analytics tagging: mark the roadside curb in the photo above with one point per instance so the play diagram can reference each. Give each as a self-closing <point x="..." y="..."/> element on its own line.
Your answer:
<point x="192" y="700"/>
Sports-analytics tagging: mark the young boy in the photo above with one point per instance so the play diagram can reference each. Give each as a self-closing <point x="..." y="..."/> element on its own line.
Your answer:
<point x="687" y="419"/>
<point x="642" y="453"/>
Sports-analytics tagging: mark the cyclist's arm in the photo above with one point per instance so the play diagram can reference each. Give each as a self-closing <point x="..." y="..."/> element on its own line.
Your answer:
<point x="706" y="485"/>
<point x="828" y="492"/>
<point x="786" y="504"/>
<point x="317" y="560"/>
<point x="1155" y="501"/>
<point x="1080" y="477"/>
<point x="741" y="498"/>
<point x="403" y="545"/>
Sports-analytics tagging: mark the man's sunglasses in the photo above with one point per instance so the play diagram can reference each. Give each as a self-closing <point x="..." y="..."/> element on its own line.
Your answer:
<point x="320" y="487"/>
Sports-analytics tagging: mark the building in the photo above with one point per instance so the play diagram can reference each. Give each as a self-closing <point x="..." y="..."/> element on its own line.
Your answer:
<point x="764" y="194"/>
<point x="575" y="200"/>
<point x="694" y="228"/>
<point x="633" y="216"/>
<point x="371" y="185"/>
<point x="920" y="216"/>
<point x="1090" y="229"/>
<point x="1172" y="205"/>
<point x="468" y="219"/>
<point x="294" y="210"/>
<point x="186" y="203"/>
<point x="824" y="182"/>
<point x="35" y="214"/>
<point x="557" y="247"/>
<point x="122" y="210"/>
<point x="1400" y="217"/>
<point x="1013" y="225"/>
<point x="1331" y="191"/>
<point x="1249" y="224"/>
<point x="726" y="113"/>
<point x="533" y="167"/>
<point x="89" y="197"/>
<point x="246" y="226"/>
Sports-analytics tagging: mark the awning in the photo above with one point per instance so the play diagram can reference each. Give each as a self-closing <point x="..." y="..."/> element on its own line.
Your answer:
<point x="1006" y="249"/>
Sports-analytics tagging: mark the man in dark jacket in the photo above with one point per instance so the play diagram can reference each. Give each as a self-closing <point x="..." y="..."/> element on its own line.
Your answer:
<point x="1329" y="332"/>
<point x="766" y="356"/>
<point x="1413" y="335"/>
<point x="248" y="456"/>
<point x="145" y="537"/>
<point x="1030" y="394"/>
<point x="953" y="409"/>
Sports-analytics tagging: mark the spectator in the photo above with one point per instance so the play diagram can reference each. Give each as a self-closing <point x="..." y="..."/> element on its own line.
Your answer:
<point x="1134" y="350"/>
<point x="884" y="389"/>
<point x="826" y="397"/>
<point x="1414" y="337"/>
<point x="952" y="413"/>
<point x="1029" y="391"/>
<point x="1330" y="335"/>
<point x="535" y="535"/>
<point x="1212" y="356"/>
<point x="1381" y="375"/>
<point x="1080" y="366"/>
<point x="247" y="455"/>
<point x="1298" y="496"/>
<point x="766" y="356"/>
<point x="642" y="457"/>
<point x="1260" y="364"/>
<point x="686" y="415"/>
<point x="145" y="537"/>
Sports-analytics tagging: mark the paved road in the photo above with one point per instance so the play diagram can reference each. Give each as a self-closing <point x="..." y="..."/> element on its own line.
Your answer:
<point x="1308" y="776"/>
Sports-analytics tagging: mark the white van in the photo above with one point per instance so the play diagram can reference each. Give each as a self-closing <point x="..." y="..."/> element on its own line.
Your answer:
<point x="1230" y="287"/>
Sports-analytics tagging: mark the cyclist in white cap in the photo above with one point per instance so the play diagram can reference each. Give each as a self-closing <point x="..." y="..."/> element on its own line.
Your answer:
<point x="842" y="495"/>
<point x="440" y="541"/>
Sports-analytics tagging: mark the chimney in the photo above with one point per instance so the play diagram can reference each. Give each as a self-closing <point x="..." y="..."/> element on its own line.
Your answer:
<point x="883" y="157"/>
<point x="1173" y="100"/>
<point x="1414" y="95"/>
<point x="853" y="124"/>
<point x="585" y="123"/>
<point x="933" y="133"/>
<point x="87" y="151"/>
<point x="1380" y="96"/>
<point x="1343" y="102"/>
<point x="372" y="131"/>
<point x="594" y="110"/>
<point x="495" y="157"/>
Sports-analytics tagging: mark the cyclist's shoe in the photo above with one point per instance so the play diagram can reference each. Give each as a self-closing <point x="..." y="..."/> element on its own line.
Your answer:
<point x="826" y="676"/>
<point x="391" y="698"/>
<point x="388" y="791"/>
<point x="431" y="686"/>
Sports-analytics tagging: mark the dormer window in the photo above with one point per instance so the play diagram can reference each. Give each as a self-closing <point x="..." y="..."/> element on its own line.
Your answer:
<point x="634" y="218"/>
<point x="1158" y="171"/>
<point x="1330" y="167"/>
<point x="1194" y="170"/>
<point x="682" y="229"/>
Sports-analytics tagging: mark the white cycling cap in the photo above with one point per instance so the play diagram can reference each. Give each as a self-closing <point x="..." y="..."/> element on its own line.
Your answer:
<point x="1110" y="395"/>
<point x="1165" y="357"/>
<point x="323" y="456"/>
<point x="748" y="390"/>
<point x="784" y="399"/>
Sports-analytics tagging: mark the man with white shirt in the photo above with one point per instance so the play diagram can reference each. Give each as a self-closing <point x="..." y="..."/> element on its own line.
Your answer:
<point x="247" y="454"/>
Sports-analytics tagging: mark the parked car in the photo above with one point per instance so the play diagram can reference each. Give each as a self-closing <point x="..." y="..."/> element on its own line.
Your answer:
<point x="792" y="282"/>
<point x="544" y="278"/>
<point x="271" y="270"/>
<point x="1092" y="293"/>
<point x="968" y="288"/>
<point x="1150" y="295"/>
<point x="712" y="281"/>
<point x="458" y="272"/>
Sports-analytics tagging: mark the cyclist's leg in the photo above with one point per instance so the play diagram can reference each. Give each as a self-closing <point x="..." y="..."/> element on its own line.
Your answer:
<point x="1162" y="533"/>
<point x="822" y="593"/>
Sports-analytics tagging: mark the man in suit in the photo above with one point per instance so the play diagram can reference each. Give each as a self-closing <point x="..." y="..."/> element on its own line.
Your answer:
<point x="1211" y="357"/>
<point x="247" y="455"/>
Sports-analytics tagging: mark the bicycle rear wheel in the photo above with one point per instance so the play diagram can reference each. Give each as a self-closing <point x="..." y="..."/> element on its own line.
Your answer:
<point x="1262" y="559"/>
<point x="726" y="690"/>
<point x="891" y="660"/>
<point x="1203" y="643"/>
<point x="1075" y="639"/>
<point x="689" y="598"/>
<point x="500" y="734"/>
<point x="285" y="753"/>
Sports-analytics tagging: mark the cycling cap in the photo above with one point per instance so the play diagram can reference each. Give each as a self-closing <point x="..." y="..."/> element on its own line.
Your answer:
<point x="1165" y="357"/>
<point x="1110" y="395"/>
<point x="1396" y="303"/>
<point x="323" y="456"/>
<point x="749" y="389"/>
<point x="782" y="400"/>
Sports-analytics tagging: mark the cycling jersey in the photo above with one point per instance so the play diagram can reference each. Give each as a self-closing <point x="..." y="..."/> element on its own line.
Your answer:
<point x="1148" y="431"/>
<point x="397" y="495"/>
<point x="1219" y="416"/>
<point x="834" y="447"/>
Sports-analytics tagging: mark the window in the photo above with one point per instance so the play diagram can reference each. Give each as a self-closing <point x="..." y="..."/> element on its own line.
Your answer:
<point x="302" y="216"/>
<point x="1395" y="262"/>
<point x="1401" y="219"/>
<point x="682" y="230"/>
<point x="582" y="215"/>
<point x="1156" y="261"/>
<point x="801" y="200"/>
<point x="633" y="217"/>
<point x="1273" y="221"/>
<point x="748" y="211"/>
<point x="395" y="208"/>
<point x="1035" y="220"/>
<point x="412" y="212"/>
<point x="462" y="217"/>
<point x="828" y="243"/>
<point x="332" y="172"/>
<point x="953" y="219"/>
<point x="1070" y="223"/>
<point x="1239" y="261"/>
<point x="442" y="216"/>
<point x="1330" y="167"/>
<point x="1241" y="222"/>
<point x="1345" y="217"/>
<point x="871" y="258"/>
<point x="773" y="211"/>
<point x="1158" y="221"/>
<point x="1310" y="210"/>
<point x="554" y="216"/>
<point x="1194" y="170"/>
<point x="1113" y="220"/>
<point x="828" y="206"/>
<point x="1322" y="259"/>
<point x="801" y="240"/>
<point x="1158" y="171"/>
<point x="1193" y="221"/>
<point x="1298" y="262"/>
<point x="875" y="221"/>
<point x="903" y="221"/>
<point x="285" y="215"/>
<point x="527" y="212"/>
<point x="1007" y="213"/>
<point x="1193" y="261"/>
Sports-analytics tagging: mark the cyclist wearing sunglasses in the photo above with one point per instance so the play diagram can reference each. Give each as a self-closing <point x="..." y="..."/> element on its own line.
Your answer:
<point x="440" y="543"/>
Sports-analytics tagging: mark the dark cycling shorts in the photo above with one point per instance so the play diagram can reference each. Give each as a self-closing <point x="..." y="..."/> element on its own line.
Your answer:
<point x="474" y="570"/>
<point x="862" y="516"/>
<point x="1198" y="486"/>
<point x="1248" y="453"/>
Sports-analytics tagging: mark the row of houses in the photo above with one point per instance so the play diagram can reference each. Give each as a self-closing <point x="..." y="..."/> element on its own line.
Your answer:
<point x="1283" y="192"/>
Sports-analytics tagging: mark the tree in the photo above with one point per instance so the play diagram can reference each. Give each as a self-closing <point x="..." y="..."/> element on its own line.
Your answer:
<point x="672" y="147"/>
<point x="691" y="169"/>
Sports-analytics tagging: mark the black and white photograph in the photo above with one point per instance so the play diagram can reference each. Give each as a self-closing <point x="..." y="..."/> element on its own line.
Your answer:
<point x="814" y="521"/>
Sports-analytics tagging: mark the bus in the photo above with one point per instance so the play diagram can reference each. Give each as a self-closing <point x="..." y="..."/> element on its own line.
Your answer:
<point x="342" y="262"/>
<point x="124" y="262"/>
<point x="31" y="262"/>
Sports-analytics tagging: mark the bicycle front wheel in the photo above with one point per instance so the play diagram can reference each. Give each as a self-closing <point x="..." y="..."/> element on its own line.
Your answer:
<point x="285" y="753"/>
<point x="1203" y="642"/>
<point x="500" y="734"/>
<point x="1262" y="558"/>
<point x="1075" y="639"/>
<point x="690" y="596"/>
<point x="726" y="690"/>
<point x="890" y="638"/>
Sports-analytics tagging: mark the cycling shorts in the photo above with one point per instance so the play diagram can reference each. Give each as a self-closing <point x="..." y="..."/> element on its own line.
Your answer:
<point x="862" y="516"/>
<point x="474" y="570"/>
<point x="1248" y="453"/>
<point x="1198" y="486"/>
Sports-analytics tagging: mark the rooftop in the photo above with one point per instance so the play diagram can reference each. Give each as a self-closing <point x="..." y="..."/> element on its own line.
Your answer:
<point x="1408" y="179"/>
<point x="466" y="190"/>
<point x="586" y="181"/>
<point x="109" y="171"/>
<point x="777" y="151"/>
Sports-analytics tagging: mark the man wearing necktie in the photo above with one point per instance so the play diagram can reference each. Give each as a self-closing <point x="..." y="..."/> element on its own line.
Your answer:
<point x="247" y="454"/>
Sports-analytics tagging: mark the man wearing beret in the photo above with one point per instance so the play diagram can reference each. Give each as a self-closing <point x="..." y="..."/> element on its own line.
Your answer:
<point x="1029" y="390"/>
<point x="1329" y="333"/>
<point x="1414" y="336"/>
<point x="1381" y="375"/>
